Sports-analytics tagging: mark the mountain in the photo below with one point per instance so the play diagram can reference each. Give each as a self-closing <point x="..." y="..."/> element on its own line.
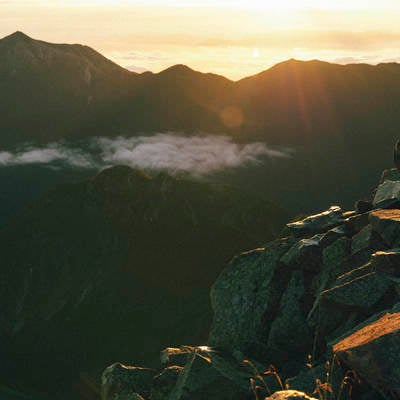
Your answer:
<point x="340" y="121"/>
<point x="75" y="91"/>
<point x="122" y="254"/>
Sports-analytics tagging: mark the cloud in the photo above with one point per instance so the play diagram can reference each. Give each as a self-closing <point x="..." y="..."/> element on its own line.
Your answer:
<point x="196" y="155"/>
<point x="54" y="152"/>
<point x="174" y="153"/>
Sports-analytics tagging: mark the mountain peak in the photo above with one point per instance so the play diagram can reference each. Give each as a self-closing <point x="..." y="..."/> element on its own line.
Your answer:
<point x="18" y="36"/>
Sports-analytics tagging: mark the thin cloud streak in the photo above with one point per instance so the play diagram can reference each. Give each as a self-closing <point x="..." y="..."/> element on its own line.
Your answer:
<point x="176" y="154"/>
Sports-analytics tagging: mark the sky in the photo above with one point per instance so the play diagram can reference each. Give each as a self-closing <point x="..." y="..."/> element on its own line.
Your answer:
<point x="233" y="38"/>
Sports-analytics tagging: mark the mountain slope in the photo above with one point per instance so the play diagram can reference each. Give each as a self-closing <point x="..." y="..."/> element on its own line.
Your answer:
<point x="121" y="254"/>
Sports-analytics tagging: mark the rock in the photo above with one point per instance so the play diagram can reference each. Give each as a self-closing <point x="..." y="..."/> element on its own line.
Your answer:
<point x="363" y="206"/>
<point x="124" y="381"/>
<point x="353" y="225"/>
<point x="175" y="356"/>
<point x="392" y="174"/>
<point x="360" y="287"/>
<point x="387" y="195"/>
<point x="372" y="349"/>
<point x="387" y="224"/>
<point x="317" y="223"/>
<point x="306" y="253"/>
<point x="290" y="395"/>
<point x="245" y="295"/>
<point x="366" y="240"/>
<point x="289" y="331"/>
<point x="164" y="383"/>
<point x="387" y="261"/>
<point x="209" y="375"/>
<point x="332" y="235"/>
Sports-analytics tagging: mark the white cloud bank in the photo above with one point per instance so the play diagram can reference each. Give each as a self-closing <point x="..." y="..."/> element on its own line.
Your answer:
<point x="195" y="155"/>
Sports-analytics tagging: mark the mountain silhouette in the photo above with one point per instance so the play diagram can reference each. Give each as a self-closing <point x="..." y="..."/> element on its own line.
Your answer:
<point x="121" y="254"/>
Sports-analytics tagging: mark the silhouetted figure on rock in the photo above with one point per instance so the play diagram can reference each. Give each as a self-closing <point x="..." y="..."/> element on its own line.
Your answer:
<point x="396" y="154"/>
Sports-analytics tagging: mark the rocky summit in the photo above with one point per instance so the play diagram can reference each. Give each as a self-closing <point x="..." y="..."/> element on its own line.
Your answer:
<point x="315" y="313"/>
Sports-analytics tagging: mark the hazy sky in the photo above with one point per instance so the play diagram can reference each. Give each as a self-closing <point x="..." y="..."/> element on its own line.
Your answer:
<point x="234" y="38"/>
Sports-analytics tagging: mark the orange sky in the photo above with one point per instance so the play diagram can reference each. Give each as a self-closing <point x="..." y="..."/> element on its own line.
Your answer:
<point x="234" y="38"/>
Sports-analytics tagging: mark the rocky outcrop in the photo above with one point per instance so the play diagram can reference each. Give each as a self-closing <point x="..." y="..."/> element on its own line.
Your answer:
<point x="320" y="303"/>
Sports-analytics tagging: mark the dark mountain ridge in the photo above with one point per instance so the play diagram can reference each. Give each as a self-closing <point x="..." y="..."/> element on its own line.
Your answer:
<point x="292" y="102"/>
<point x="122" y="254"/>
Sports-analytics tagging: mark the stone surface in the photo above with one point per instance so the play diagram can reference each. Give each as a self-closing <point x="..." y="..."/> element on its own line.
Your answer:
<point x="353" y="225"/>
<point x="373" y="350"/>
<point x="392" y="174"/>
<point x="387" y="224"/>
<point x="289" y="331"/>
<point x="358" y="288"/>
<point x="120" y="381"/>
<point x="387" y="261"/>
<point x="387" y="195"/>
<point x="366" y="239"/>
<point x="317" y="223"/>
<point x="164" y="383"/>
<point x="245" y="294"/>
<point x="306" y="253"/>
<point x="290" y="395"/>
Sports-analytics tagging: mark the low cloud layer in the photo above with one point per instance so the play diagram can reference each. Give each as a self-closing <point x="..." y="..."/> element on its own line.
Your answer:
<point x="195" y="155"/>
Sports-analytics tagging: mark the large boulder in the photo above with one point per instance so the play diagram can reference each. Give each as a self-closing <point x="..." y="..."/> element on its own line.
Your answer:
<point x="372" y="349"/>
<point x="317" y="223"/>
<point x="289" y="331"/>
<point x="360" y="288"/>
<point x="387" y="195"/>
<point x="306" y="253"/>
<point x="246" y="296"/>
<point x="387" y="224"/>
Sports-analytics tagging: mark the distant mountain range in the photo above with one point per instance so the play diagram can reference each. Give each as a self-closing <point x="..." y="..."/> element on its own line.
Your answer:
<point x="52" y="91"/>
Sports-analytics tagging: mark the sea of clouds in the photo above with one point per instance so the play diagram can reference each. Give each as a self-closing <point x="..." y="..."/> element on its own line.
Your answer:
<point x="171" y="152"/>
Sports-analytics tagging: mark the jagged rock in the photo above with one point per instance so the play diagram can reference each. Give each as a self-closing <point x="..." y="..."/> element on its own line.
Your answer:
<point x="360" y="287"/>
<point x="332" y="235"/>
<point x="317" y="223"/>
<point x="290" y="395"/>
<point x="245" y="294"/>
<point x="387" y="224"/>
<point x="372" y="349"/>
<point x="306" y="253"/>
<point x="334" y="264"/>
<point x="365" y="243"/>
<point x="387" y="261"/>
<point x="392" y="174"/>
<point x="353" y="225"/>
<point x="289" y="331"/>
<point x="120" y="382"/>
<point x="363" y="206"/>
<point x="387" y="195"/>
<point x="175" y="356"/>
<point x="211" y="376"/>
<point x="164" y="383"/>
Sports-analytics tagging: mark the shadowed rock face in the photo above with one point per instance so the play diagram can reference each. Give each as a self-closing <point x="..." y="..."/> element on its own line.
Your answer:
<point x="117" y="267"/>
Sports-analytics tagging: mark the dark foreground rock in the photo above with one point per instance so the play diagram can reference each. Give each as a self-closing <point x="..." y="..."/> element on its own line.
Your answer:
<point x="305" y="312"/>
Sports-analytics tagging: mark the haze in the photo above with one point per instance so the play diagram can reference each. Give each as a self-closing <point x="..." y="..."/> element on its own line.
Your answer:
<point x="233" y="38"/>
